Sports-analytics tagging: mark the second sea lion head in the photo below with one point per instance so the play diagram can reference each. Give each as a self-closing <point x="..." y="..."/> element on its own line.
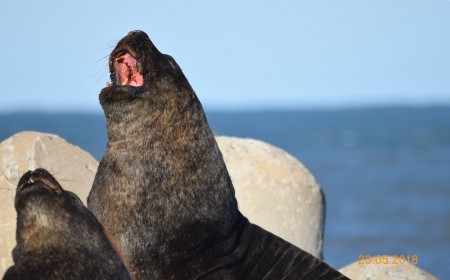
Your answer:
<point x="48" y="214"/>
<point x="57" y="236"/>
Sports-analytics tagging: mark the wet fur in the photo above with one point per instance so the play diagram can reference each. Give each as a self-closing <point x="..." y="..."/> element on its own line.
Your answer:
<point x="57" y="236"/>
<point x="162" y="188"/>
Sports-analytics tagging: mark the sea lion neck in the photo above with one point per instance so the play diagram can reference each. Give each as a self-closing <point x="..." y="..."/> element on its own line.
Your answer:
<point x="143" y="113"/>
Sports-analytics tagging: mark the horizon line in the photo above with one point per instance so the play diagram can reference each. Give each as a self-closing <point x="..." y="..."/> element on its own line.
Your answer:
<point x="241" y="109"/>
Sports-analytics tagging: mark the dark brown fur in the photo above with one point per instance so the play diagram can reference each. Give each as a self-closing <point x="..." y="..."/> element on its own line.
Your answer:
<point x="162" y="188"/>
<point x="57" y="236"/>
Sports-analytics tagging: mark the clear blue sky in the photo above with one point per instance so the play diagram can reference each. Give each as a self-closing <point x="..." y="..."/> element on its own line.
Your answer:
<point x="236" y="54"/>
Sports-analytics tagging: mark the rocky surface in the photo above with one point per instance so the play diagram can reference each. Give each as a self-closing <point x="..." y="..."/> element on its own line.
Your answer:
<point x="72" y="167"/>
<point x="388" y="271"/>
<point x="275" y="191"/>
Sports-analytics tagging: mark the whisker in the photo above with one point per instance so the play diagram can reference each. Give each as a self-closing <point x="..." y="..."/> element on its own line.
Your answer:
<point x="113" y="42"/>
<point x="110" y="46"/>
<point x="55" y="174"/>
<point x="51" y="171"/>
<point x="101" y="74"/>
<point x="105" y="67"/>
<point x="13" y="186"/>
<point x="66" y="180"/>
<point x="105" y="57"/>
<point x="104" y="71"/>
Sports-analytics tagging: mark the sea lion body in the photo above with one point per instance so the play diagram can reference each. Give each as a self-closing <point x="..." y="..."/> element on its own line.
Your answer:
<point x="57" y="236"/>
<point x="162" y="188"/>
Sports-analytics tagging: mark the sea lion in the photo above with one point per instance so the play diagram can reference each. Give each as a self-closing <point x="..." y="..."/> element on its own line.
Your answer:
<point x="162" y="188"/>
<point x="57" y="236"/>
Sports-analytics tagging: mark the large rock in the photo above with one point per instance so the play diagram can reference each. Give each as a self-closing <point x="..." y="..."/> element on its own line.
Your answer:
<point x="388" y="271"/>
<point x="275" y="191"/>
<point x="72" y="167"/>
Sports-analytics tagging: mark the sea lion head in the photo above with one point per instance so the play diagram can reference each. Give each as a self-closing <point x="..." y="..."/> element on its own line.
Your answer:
<point x="46" y="210"/>
<point x="144" y="82"/>
<point x="137" y="66"/>
<point x="57" y="236"/>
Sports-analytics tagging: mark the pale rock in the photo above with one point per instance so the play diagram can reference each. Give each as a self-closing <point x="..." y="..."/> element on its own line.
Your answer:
<point x="71" y="166"/>
<point x="275" y="191"/>
<point x="388" y="271"/>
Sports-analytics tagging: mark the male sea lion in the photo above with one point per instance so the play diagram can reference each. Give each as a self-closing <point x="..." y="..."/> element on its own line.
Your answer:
<point x="57" y="236"/>
<point x="162" y="188"/>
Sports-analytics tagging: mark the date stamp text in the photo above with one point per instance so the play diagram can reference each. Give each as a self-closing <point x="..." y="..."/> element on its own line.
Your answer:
<point x="385" y="259"/>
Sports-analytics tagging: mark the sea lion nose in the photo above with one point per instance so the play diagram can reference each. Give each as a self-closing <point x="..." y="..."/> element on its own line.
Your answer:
<point x="135" y="32"/>
<point x="138" y="35"/>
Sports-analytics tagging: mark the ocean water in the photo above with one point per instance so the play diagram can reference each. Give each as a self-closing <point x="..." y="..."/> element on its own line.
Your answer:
<point x="385" y="172"/>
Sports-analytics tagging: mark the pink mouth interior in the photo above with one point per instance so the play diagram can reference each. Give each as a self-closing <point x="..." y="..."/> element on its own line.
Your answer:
<point x="126" y="71"/>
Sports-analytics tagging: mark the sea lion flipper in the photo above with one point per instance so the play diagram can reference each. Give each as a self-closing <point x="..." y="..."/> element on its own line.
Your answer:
<point x="274" y="258"/>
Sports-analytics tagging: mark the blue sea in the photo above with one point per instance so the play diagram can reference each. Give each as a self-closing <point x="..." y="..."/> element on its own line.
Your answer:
<point x="385" y="172"/>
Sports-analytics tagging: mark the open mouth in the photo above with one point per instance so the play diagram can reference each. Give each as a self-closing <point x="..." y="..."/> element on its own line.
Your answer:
<point x="37" y="179"/>
<point x="126" y="70"/>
